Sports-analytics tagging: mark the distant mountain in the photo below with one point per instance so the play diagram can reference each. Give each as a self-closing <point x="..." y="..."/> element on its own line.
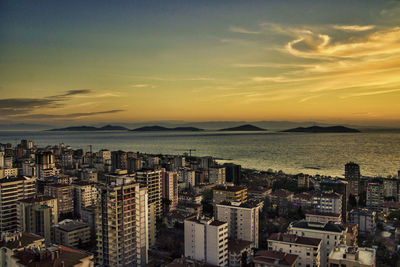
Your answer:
<point x="90" y="128"/>
<point x="318" y="129"/>
<point x="157" y="128"/>
<point x="113" y="128"/>
<point x="246" y="127"/>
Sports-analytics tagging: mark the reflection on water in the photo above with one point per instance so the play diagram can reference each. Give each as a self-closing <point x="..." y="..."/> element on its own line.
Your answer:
<point x="377" y="153"/>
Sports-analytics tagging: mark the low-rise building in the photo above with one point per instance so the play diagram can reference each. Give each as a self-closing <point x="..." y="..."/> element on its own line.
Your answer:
<point x="365" y="219"/>
<point x="323" y="217"/>
<point x="270" y="258"/>
<point x="352" y="257"/>
<point x="72" y="233"/>
<point x="229" y="194"/>
<point x="240" y="252"/>
<point x="331" y="234"/>
<point x="307" y="248"/>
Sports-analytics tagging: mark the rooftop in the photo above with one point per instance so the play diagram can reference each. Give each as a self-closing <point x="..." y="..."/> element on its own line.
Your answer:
<point x="328" y="227"/>
<point x="295" y="239"/>
<point x="319" y="213"/>
<point x="70" y="225"/>
<point x="237" y="245"/>
<point x="249" y="204"/>
<point x="275" y="258"/>
<point x="362" y="256"/>
<point x="230" y="188"/>
<point x="64" y="256"/>
<point x="13" y="241"/>
<point x="37" y="198"/>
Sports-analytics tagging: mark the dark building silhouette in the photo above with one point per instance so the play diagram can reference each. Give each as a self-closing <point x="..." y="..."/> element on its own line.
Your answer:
<point x="353" y="176"/>
<point x="233" y="173"/>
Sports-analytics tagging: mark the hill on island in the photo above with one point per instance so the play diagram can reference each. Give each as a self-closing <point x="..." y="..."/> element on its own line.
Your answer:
<point x="91" y="128"/>
<point x="157" y="128"/>
<point x="319" y="129"/>
<point x="246" y="127"/>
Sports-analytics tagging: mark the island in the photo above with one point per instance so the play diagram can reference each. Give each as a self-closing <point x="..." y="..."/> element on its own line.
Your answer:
<point x="243" y="128"/>
<point x="157" y="128"/>
<point x="90" y="128"/>
<point x="319" y="129"/>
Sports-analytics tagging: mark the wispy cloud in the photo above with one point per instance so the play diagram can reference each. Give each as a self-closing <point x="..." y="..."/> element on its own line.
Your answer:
<point x="242" y="30"/>
<point x="354" y="28"/>
<point x="378" y="92"/>
<point x="142" y="85"/>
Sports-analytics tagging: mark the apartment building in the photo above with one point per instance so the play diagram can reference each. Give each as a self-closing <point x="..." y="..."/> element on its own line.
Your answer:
<point x="242" y="219"/>
<point x="307" y="248"/>
<point x="229" y="194"/>
<point x="207" y="240"/>
<point x="11" y="191"/>
<point x="122" y="224"/>
<point x="64" y="194"/>
<point x="331" y="234"/>
<point x="37" y="215"/>
<point x="352" y="257"/>
<point x="329" y="202"/>
<point x="72" y="233"/>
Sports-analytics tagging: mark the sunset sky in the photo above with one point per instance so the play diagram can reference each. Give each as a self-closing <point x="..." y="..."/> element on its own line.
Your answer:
<point x="131" y="61"/>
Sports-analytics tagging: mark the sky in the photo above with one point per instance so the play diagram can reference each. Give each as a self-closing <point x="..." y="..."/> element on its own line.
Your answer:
<point x="134" y="61"/>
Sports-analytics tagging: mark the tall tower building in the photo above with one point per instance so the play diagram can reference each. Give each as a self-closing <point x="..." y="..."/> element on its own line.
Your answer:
<point x="242" y="219"/>
<point x="121" y="224"/>
<point x="37" y="215"/>
<point x="207" y="240"/>
<point x="352" y="174"/>
<point x="170" y="187"/>
<point x="152" y="180"/>
<point x="11" y="191"/>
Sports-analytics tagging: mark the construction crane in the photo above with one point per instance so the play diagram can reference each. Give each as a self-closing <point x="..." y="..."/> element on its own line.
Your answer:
<point x="190" y="150"/>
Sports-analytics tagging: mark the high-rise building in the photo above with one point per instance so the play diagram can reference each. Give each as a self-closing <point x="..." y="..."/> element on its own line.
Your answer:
<point x="338" y="186"/>
<point x="242" y="219"/>
<point x="85" y="195"/>
<point x="233" y="173"/>
<point x="152" y="180"/>
<point x="11" y="191"/>
<point x="119" y="160"/>
<point x="122" y="224"/>
<point x="37" y="215"/>
<point x="353" y="176"/>
<point x="64" y="194"/>
<point x="374" y="195"/>
<point x="207" y="240"/>
<point x="170" y="188"/>
<point x="217" y="175"/>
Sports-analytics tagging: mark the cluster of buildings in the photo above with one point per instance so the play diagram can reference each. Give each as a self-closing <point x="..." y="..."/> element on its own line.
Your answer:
<point x="70" y="207"/>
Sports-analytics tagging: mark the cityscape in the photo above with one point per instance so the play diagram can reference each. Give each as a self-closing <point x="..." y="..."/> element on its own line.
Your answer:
<point x="78" y="207"/>
<point x="200" y="133"/>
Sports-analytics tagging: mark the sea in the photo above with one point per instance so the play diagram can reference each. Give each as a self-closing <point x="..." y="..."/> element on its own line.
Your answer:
<point x="378" y="154"/>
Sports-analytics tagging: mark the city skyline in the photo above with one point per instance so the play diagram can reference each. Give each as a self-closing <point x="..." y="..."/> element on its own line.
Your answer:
<point x="138" y="61"/>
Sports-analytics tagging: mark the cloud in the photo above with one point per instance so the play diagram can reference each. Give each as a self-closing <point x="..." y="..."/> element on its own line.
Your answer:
<point x="16" y="106"/>
<point x="242" y="30"/>
<point x="354" y="28"/>
<point x="68" y="116"/>
<point x="379" y="92"/>
<point x="141" y="86"/>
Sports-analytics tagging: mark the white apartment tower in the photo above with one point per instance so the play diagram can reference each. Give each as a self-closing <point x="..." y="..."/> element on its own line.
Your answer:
<point x="11" y="191"/>
<point x="207" y="240"/>
<point x="242" y="219"/>
<point x="121" y="224"/>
